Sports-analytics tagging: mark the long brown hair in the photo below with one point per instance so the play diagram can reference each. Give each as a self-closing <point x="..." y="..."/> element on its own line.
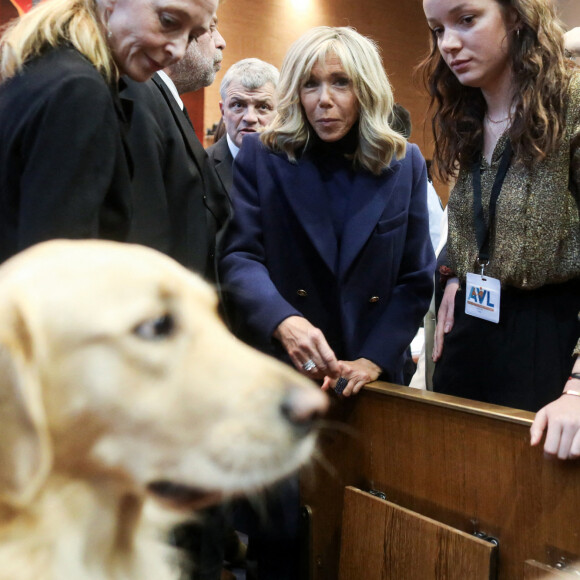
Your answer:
<point x="541" y="74"/>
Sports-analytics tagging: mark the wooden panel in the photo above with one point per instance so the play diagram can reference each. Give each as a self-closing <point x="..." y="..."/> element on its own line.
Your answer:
<point x="7" y="12"/>
<point x="536" y="571"/>
<point x="193" y="102"/>
<point x="382" y="540"/>
<point x="463" y="463"/>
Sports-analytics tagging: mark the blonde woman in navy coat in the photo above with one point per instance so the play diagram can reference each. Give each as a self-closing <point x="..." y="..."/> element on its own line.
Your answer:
<point x="328" y="258"/>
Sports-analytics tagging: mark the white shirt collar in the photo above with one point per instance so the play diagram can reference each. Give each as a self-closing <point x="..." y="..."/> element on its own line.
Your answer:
<point x="234" y="149"/>
<point x="171" y="86"/>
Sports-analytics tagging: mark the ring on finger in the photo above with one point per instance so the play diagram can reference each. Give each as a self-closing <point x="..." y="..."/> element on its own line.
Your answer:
<point x="309" y="365"/>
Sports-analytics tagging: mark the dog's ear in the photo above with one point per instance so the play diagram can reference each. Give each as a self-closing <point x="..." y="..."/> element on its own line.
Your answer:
<point x="25" y="452"/>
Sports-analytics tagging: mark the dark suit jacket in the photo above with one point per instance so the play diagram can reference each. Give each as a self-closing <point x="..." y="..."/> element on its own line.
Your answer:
<point x="64" y="169"/>
<point x="221" y="157"/>
<point x="179" y="202"/>
<point x="281" y="258"/>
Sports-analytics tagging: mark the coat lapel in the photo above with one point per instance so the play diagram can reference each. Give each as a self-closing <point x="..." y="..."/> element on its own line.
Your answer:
<point x="302" y="188"/>
<point x="124" y="110"/>
<point x="186" y="128"/>
<point x="216" y="199"/>
<point x="224" y="163"/>
<point x="371" y="195"/>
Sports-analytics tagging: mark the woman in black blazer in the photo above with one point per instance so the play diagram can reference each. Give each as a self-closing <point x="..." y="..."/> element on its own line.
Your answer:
<point x="64" y="169"/>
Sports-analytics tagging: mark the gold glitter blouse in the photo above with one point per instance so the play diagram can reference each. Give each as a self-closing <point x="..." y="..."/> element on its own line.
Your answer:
<point x="536" y="235"/>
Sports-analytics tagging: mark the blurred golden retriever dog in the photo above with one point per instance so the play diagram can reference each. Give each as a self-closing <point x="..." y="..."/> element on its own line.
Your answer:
<point x="124" y="404"/>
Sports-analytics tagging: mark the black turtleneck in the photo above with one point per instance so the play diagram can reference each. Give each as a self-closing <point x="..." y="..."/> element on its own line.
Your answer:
<point x="334" y="161"/>
<point x="345" y="146"/>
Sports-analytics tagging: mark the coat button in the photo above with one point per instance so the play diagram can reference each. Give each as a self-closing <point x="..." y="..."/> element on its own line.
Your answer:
<point x="302" y="293"/>
<point x="373" y="299"/>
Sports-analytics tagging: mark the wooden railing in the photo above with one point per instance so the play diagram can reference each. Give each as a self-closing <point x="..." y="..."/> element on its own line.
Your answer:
<point x="465" y="466"/>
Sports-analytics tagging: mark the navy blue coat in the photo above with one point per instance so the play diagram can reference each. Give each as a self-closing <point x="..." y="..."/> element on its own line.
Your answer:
<point x="280" y="256"/>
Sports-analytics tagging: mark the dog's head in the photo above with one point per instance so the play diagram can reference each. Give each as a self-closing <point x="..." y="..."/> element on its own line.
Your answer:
<point x="114" y="366"/>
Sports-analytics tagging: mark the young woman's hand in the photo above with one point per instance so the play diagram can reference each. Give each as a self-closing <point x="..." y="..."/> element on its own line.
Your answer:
<point x="445" y="316"/>
<point x="561" y="421"/>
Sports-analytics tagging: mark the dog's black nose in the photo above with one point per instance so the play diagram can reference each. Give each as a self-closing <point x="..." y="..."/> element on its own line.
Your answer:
<point x="302" y="406"/>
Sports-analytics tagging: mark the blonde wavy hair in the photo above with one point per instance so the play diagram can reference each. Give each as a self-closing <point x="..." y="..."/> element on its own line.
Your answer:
<point x="541" y="76"/>
<point x="290" y="130"/>
<point x="54" y="23"/>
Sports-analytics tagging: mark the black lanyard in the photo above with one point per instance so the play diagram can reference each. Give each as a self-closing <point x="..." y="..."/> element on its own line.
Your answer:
<point x="483" y="232"/>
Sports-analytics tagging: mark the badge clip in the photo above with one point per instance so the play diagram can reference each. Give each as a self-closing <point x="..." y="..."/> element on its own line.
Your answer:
<point x="482" y="266"/>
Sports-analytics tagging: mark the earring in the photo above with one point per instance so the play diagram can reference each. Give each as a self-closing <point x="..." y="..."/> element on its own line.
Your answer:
<point x="518" y="32"/>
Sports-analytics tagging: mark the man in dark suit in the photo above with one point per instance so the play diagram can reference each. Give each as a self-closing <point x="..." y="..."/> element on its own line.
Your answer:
<point x="180" y="207"/>
<point x="248" y="104"/>
<point x="179" y="204"/>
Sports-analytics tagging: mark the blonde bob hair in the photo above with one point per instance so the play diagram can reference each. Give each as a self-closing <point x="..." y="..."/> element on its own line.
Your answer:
<point x="290" y="131"/>
<point x="53" y="23"/>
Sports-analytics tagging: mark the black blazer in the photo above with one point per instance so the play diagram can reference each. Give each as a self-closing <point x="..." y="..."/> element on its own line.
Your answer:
<point x="221" y="157"/>
<point x="64" y="168"/>
<point x="179" y="205"/>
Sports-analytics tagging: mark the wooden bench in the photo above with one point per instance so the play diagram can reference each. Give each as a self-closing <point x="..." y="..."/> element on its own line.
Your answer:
<point x="458" y="477"/>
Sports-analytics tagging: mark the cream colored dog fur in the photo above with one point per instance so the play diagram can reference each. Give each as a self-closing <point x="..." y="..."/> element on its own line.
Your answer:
<point x="120" y="390"/>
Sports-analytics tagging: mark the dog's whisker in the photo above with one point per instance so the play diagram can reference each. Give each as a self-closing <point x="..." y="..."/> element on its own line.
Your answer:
<point x="319" y="458"/>
<point x="325" y="426"/>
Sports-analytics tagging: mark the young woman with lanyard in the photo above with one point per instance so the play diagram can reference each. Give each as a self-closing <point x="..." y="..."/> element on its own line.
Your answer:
<point x="507" y="126"/>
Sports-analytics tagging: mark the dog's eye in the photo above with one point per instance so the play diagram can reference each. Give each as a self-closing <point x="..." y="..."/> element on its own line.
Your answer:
<point x="156" y="328"/>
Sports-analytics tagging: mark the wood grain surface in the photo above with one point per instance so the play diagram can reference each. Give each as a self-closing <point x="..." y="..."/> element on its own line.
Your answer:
<point x="462" y="463"/>
<point x="382" y="540"/>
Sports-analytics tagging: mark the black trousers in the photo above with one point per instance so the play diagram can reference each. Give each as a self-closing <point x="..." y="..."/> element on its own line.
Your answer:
<point x="523" y="361"/>
<point x="203" y="541"/>
<point x="272" y="523"/>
